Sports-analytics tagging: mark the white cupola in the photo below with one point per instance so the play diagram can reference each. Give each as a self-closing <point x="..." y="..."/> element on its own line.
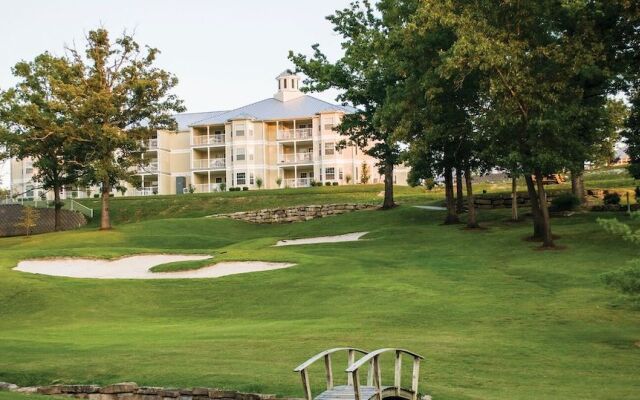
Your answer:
<point x="288" y="86"/>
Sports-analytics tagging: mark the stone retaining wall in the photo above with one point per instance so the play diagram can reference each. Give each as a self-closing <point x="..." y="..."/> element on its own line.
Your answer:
<point x="131" y="391"/>
<point x="295" y="214"/>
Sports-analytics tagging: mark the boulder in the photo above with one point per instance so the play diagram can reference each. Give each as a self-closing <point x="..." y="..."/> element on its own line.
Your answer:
<point x="123" y="387"/>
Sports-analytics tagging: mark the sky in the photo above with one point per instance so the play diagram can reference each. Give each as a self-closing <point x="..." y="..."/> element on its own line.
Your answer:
<point x="225" y="53"/>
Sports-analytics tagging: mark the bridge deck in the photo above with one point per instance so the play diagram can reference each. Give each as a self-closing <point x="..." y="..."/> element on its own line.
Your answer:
<point x="346" y="393"/>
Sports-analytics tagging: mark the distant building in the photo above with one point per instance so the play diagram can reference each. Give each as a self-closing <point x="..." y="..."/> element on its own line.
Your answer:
<point x="289" y="137"/>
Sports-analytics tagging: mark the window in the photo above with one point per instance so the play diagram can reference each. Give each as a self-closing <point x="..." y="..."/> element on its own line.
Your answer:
<point x="330" y="174"/>
<point x="241" y="178"/>
<point x="218" y="180"/>
<point x="251" y="132"/>
<point x="329" y="149"/>
<point x="251" y="178"/>
<point x="240" y="132"/>
<point x="240" y="154"/>
<point x="328" y="127"/>
<point x="340" y="176"/>
<point x="251" y="155"/>
<point x="285" y="83"/>
<point x="218" y="132"/>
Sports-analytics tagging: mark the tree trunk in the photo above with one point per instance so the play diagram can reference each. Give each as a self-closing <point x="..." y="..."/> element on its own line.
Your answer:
<point x="547" y="239"/>
<point x="452" y="216"/>
<point x="514" y="198"/>
<point x="57" y="205"/>
<point x="105" y="218"/>
<point x="577" y="185"/>
<point x="459" y="191"/>
<point x="388" y="187"/>
<point x="535" y="208"/>
<point x="472" y="221"/>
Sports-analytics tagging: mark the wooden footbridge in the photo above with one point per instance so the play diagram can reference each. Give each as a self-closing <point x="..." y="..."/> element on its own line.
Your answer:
<point x="353" y="390"/>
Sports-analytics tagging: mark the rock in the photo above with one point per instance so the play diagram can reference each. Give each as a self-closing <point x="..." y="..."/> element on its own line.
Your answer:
<point x="123" y="387"/>
<point x="222" y="394"/>
<point x="149" y="390"/>
<point x="49" y="390"/>
<point x="27" y="390"/>
<point x="88" y="389"/>
<point x="8" y="386"/>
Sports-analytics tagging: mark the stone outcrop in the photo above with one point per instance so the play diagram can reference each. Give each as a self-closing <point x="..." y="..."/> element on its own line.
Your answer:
<point x="131" y="391"/>
<point x="295" y="214"/>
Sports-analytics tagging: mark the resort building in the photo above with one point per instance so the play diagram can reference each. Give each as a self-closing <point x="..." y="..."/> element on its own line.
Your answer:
<point x="287" y="140"/>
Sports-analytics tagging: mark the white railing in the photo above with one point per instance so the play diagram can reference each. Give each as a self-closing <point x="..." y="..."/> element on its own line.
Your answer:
<point x="214" y="163"/>
<point x="295" y="134"/>
<point x="297" y="182"/>
<point x="216" y="139"/>
<point x="207" y="188"/>
<point x="151" y="167"/>
<point x="75" y="206"/>
<point x="68" y="204"/>
<point x="151" y="144"/>
<point x="296" y="158"/>
<point x="146" y="191"/>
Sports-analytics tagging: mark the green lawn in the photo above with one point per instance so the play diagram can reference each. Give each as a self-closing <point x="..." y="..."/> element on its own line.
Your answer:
<point x="494" y="317"/>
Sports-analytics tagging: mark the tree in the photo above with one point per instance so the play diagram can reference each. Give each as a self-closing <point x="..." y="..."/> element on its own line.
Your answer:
<point x="626" y="279"/>
<point x="531" y="57"/>
<point x="29" y="220"/>
<point x="363" y="76"/>
<point x="38" y="112"/>
<point x="364" y="173"/>
<point x="125" y="98"/>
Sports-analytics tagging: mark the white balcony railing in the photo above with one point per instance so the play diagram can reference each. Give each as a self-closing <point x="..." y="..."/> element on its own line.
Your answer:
<point x="150" y="168"/>
<point x="212" y="140"/>
<point x="145" y="191"/>
<point x="151" y="144"/>
<point x="295" y="134"/>
<point x="297" y="182"/>
<point x="296" y="158"/>
<point x="214" y="163"/>
<point x="207" y="188"/>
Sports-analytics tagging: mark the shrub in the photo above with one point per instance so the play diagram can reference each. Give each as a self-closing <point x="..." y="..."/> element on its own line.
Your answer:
<point x="312" y="183"/>
<point x="335" y="183"/>
<point x="625" y="279"/>
<point x="244" y="188"/>
<point x="95" y="196"/>
<point x="318" y="184"/>
<point x="259" y="182"/>
<point x="565" y="202"/>
<point x="222" y="186"/>
<point x="429" y="183"/>
<point x="327" y="183"/>
<point x="637" y="192"/>
<point x="347" y="179"/>
<point x="278" y="181"/>
<point x="612" y="198"/>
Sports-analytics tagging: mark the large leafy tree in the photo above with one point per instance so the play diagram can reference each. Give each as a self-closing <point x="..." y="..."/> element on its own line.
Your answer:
<point x="364" y="77"/>
<point x="39" y="122"/>
<point x="125" y="98"/>
<point x="531" y="56"/>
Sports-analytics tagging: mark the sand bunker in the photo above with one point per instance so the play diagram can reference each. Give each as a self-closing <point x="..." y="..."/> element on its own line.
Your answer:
<point x="349" y="237"/>
<point x="137" y="267"/>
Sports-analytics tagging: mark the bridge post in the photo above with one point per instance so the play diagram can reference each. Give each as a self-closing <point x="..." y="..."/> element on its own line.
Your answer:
<point x="356" y="385"/>
<point x="329" y="370"/>
<point x="351" y="358"/>
<point x="415" y="376"/>
<point x="305" y="383"/>
<point x="398" y="372"/>
<point x="377" y="373"/>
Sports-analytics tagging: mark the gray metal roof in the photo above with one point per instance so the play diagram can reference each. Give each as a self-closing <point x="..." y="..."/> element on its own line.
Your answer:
<point x="185" y="120"/>
<point x="271" y="109"/>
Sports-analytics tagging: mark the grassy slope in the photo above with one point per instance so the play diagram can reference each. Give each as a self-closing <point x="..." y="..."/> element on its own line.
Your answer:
<point x="494" y="317"/>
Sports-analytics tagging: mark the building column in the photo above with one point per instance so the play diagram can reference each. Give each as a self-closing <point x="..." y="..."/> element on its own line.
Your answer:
<point x="143" y="191"/>
<point x="295" y="175"/>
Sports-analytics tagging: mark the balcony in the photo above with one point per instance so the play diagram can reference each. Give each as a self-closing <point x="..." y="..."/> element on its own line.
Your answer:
<point x="150" y="168"/>
<point x="212" y="140"/>
<point x="297" y="182"/>
<point x="214" y="163"/>
<point x="300" y="158"/>
<point x="149" y="145"/>
<point x="295" y="134"/>
<point x="145" y="191"/>
<point x="208" y="188"/>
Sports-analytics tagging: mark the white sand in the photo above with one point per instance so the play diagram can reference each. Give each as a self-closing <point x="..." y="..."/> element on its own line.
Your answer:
<point x="349" y="237"/>
<point x="432" y="208"/>
<point x="137" y="267"/>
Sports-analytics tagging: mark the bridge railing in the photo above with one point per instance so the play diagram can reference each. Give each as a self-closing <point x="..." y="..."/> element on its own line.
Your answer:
<point x="303" y="368"/>
<point x="374" y="358"/>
